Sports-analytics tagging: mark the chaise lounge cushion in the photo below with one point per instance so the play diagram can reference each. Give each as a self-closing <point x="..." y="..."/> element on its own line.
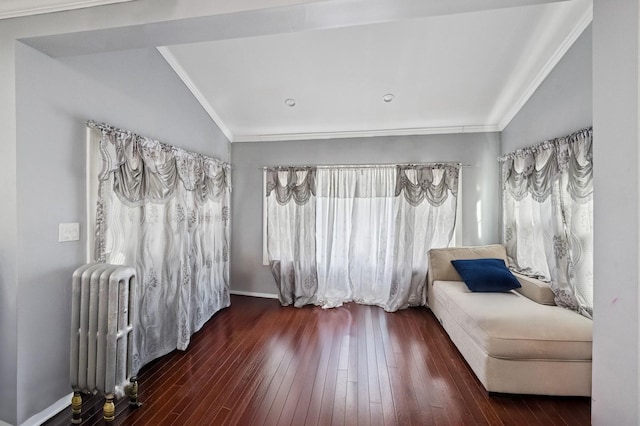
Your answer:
<point x="536" y="290"/>
<point x="508" y="326"/>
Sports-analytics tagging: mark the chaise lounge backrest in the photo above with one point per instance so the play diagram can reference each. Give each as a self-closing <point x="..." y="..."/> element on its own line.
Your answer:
<point x="441" y="269"/>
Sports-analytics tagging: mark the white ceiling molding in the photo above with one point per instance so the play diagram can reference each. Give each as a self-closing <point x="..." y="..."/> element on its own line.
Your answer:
<point x="17" y="8"/>
<point x="580" y="26"/>
<point x="184" y="76"/>
<point x="364" y="133"/>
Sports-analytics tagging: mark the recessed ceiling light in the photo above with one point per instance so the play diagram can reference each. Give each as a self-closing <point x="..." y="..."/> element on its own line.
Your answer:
<point x="388" y="97"/>
<point x="290" y="102"/>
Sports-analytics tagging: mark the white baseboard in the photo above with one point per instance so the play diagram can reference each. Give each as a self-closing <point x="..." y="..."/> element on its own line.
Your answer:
<point x="254" y="294"/>
<point x="47" y="413"/>
<point x="4" y="423"/>
<point x="65" y="401"/>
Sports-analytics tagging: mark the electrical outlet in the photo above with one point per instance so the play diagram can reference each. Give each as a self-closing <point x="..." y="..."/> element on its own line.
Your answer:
<point x="68" y="232"/>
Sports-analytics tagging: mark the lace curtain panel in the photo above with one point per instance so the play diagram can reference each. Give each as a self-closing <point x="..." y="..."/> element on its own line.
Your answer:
<point x="547" y="194"/>
<point x="164" y="211"/>
<point x="342" y="234"/>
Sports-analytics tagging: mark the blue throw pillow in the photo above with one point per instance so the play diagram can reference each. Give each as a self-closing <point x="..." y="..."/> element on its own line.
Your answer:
<point x="486" y="275"/>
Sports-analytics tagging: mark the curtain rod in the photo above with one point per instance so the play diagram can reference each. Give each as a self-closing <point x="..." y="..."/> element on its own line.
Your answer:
<point x="351" y="166"/>
<point x="104" y="127"/>
<point x="580" y="134"/>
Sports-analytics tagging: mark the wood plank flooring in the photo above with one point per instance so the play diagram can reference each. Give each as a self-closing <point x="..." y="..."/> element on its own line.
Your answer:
<point x="257" y="363"/>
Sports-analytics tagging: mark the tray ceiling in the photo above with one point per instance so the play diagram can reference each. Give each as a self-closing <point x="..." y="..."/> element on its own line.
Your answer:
<point x="464" y="72"/>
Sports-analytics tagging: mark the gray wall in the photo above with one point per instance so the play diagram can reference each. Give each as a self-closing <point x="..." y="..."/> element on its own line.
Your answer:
<point x="135" y="90"/>
<point x="479" y="186"/>
<point x="561" y="105"/>
<point x="616" y="213"/>
<point x="8" y="236"/>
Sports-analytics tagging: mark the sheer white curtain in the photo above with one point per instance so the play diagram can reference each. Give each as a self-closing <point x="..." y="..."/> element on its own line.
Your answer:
<point x="359" y="234"/>
<point x="164" y="211"/>
<point x="291" y="219"/>
<point x="547" y="193"/>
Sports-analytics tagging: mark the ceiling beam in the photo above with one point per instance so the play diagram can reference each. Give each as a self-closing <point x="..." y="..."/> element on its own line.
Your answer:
<point x="260" y="22"/>
<point x="16" y="8"/>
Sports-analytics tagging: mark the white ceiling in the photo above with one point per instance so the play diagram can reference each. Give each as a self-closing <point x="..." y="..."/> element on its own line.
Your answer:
<point x="463" y="72"/>
<point x="454" y="66"/>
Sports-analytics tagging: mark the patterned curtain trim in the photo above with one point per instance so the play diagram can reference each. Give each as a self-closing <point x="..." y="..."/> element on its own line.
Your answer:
<point x="99" y="250"/>
<point x="300" y="188"/>
<point x="300" y="192"/>
<point x="543" y="163"/>
<point x="146" y="170"/>
<point x="425" y="188"/>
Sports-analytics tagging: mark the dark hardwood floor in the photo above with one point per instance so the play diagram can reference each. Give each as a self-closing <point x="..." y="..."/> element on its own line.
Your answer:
<point x="259" y="363"/>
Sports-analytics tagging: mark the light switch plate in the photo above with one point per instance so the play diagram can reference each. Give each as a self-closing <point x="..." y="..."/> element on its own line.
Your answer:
<point x="68" y="232"/>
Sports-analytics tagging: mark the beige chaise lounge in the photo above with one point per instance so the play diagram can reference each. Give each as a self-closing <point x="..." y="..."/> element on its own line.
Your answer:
<point x="517" y="341"/>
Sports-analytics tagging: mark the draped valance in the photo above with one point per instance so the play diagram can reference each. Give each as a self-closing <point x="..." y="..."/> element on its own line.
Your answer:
<point x="430" y="182"/>
<point x="146" y="170"/>
<point x="418" y="182"/>
<point x="533" y="170"/>
<point x="291" y="182"/>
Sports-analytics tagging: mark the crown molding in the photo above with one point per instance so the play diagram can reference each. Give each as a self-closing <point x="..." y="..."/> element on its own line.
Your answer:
<point x="580" y="26"/>
<point x="19" y="8"/>
<point x="186" y="79"/>
<point x="365" y="133"/>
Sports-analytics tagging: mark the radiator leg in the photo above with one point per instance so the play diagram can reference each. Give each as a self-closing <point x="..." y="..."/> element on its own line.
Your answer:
<point x="132" y="392"/>
<point x="109" y="409"/>
<point x="76" y="408"/>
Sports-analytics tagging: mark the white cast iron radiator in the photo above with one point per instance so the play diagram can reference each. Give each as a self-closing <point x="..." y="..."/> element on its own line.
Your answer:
<point x="102" y="312"/>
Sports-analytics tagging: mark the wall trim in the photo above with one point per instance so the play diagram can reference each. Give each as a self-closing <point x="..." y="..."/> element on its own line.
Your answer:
<point x="366" y="133"/>
<point x="577" y="30"/>
<point x="254" y="294"/>
<point x="39" y="7"/>
<point x="49" y="412"/>
<point x="193" y="88"/>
